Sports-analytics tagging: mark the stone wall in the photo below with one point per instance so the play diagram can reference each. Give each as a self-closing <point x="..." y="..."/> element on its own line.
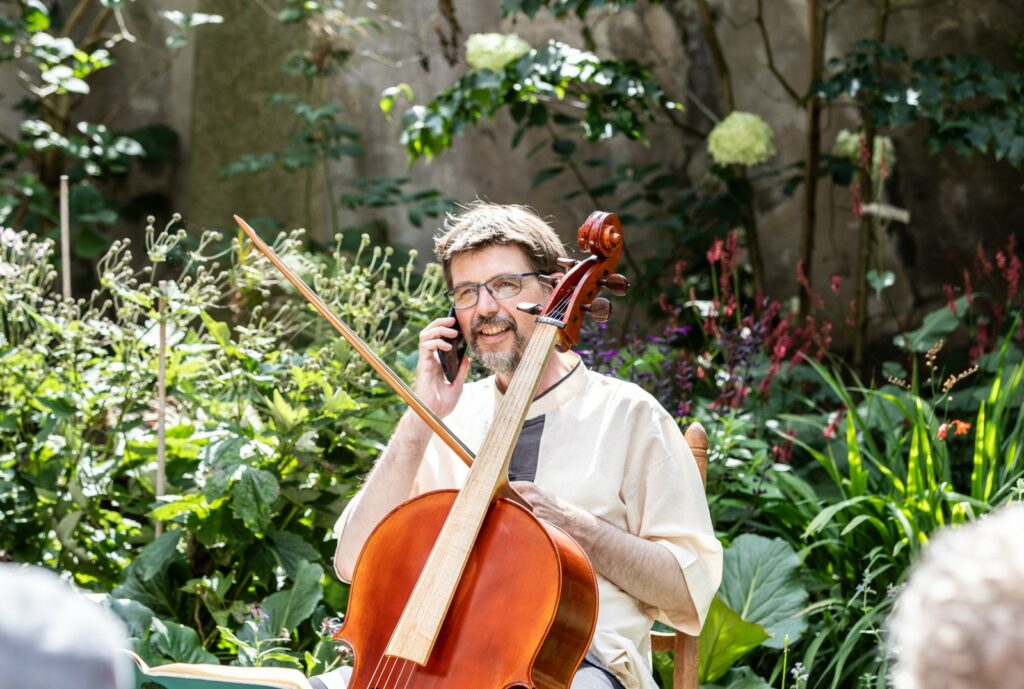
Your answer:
<point x="213" y="93"/>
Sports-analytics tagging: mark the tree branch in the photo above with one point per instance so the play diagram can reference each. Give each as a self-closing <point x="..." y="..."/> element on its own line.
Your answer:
<point x="76" y="17"/>
<point x="721" y="66"/>
<point x="768" y="52"/>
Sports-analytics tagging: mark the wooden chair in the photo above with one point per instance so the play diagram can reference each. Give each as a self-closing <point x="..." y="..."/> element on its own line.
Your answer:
<point x="685" y="647"/>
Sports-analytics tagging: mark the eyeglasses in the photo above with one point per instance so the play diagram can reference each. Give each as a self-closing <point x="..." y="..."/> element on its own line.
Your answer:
<point x="499" y="287"/>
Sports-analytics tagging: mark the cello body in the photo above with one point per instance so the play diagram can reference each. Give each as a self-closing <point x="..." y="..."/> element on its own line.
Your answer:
<point x="523" y="613"/>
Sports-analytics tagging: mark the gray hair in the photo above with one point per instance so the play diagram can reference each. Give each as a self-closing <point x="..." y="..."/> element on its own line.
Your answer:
<point x="52" y="636"/>
<point x="959" y="623"/>
<point x="481" y="225"/>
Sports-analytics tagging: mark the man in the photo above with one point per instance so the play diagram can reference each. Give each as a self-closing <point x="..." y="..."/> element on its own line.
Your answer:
<point x="597" y="457"/>
<point x="957" y="624"/>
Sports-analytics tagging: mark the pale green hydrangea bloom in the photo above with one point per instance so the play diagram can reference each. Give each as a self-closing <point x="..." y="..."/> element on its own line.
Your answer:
<point x="742" y="138"/>
<point x="494" y="50"/>
<point x="847" y="145"/>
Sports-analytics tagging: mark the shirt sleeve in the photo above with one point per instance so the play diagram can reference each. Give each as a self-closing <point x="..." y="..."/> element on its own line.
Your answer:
<point x="666" y="504"/>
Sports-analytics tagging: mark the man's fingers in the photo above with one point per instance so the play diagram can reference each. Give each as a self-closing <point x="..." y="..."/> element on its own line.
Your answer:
<point x="436" y="333"/>
<point x="437" y="344"/>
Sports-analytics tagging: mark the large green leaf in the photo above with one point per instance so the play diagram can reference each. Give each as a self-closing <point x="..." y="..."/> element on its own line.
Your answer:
<point x="725" y="638"/>
<point x="253" y="496"/>
<point x="292" y="550"/>
<point x="937" y="325"/>
<point x="760" y="581"/>
<point x="136" y="616"/>
<point x="155" y="557"/>
<point x="155" y="593"/>
<point x="740" y="678"/>
<point x="288" y="608"/>
<point x="179" y="643"/>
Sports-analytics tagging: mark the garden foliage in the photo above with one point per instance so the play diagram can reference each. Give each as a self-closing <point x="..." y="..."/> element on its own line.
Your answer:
<point x="270" y="421"/>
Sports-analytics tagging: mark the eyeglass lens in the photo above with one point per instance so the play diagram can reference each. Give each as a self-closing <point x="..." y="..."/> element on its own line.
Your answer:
<point x="499" y="287"/>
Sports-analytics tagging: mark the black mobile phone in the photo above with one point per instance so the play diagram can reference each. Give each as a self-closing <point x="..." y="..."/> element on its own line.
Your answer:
<point x="452" y="359"/>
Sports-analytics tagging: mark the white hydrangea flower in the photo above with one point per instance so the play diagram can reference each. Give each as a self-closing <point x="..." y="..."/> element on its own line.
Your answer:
<point x="847" y="145"/>
<point x="494" y="50"/>
<point x="742" y="138"/>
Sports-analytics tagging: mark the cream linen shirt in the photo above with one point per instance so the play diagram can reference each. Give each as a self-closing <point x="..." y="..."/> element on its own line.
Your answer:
<point x="609" y="448"/>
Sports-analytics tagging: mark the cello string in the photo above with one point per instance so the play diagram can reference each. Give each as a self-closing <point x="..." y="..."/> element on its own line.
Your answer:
<point x="409" y="678"/>
<point x="387" y="681"/>
<point x="398" y="680"/>
<point x="376" y="670"/>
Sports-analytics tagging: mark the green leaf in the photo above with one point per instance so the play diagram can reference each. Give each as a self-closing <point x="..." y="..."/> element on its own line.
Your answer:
<point x="760" y="580"/>
<point x="253" y="496"/>
<point x="546" y="174"/>
<point x="155" y="557"/>
<point x="223" y="465"/>
<point x="292" y="551"/>
<point x="179" y="643"/>
<point x="879" y="281"/>
<point x="90" y="243"/>
<point x="286" y="609"/>
<point x="725" y="638"/>
<point x="937" y="325"/>
<point x="742" y="678"/>
<point x="136" y="616"/>
<point x="219" y="330"/>
<point x="157" y="594"/>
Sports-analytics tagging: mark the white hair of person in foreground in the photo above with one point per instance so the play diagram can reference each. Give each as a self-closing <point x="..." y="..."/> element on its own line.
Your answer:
<point x="53" y="637"/>
<point x="959" y="622"/>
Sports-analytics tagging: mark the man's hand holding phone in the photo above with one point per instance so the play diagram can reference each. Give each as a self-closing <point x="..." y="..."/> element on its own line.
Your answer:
<point x="441" y="339"/>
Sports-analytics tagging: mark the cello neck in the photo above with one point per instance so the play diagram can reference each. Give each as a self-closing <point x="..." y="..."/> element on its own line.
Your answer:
<point x="424" y="613"/>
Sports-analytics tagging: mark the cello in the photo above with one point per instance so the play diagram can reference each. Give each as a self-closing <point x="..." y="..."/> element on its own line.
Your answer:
<point x="467" y="588"/>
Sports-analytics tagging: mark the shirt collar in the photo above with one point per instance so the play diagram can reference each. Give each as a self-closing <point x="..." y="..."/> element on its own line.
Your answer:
<point x="568" y="387"/>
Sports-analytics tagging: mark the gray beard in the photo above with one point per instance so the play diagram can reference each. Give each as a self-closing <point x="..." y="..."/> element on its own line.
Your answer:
<point x="499" y="362"/>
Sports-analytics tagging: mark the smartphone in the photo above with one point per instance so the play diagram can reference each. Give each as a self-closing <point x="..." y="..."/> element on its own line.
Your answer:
<point x="452" y="359"/>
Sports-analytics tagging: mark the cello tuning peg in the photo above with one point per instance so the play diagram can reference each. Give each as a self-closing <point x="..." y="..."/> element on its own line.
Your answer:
<point x="548" y="280"/>
<point x="567" y="262"/>
<point x="600" y="310"/>
<point x="616" y="284"/>
<point x="527" y="307"/>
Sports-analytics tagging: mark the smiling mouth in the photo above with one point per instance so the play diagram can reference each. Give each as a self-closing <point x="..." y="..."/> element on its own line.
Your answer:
<point x="491" y="330"/>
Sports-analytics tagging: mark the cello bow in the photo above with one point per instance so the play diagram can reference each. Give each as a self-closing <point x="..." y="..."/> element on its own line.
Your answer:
<point x="378" y="365"/>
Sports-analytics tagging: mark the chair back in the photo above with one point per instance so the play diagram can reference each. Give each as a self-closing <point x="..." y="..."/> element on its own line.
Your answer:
<point x="686" y="648"/>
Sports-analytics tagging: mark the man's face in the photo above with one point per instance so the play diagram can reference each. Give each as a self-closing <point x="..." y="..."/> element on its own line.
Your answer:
<point x="497" y="332"/>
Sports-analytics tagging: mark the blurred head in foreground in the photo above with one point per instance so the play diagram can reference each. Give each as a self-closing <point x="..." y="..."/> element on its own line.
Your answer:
<point x="51" y="636"/>
<point x="959" y="623"/>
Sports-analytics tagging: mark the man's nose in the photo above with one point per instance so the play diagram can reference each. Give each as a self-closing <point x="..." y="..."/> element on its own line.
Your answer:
<point x="485" y="303"/>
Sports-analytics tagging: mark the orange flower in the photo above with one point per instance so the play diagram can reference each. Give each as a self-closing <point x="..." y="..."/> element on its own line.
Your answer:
<point x="960" y="427"/>
<point x="956" y="425"/>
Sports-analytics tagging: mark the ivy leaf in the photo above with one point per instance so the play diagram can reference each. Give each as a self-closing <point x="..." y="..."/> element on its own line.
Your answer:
<point x="725" y="638"/>
<point x="286" y="609"/>
<point x="253" y="496"/>
<point x="760" y="581"/>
